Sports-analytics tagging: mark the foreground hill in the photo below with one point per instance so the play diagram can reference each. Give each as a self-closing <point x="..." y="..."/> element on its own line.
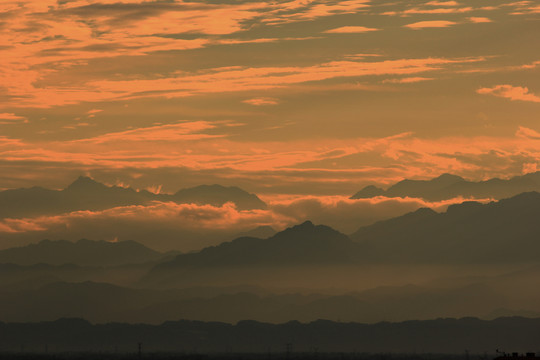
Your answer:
<point x="503" y="231"/>
<point x="83" y="253"/>
<point x="88" y="194"/>
<point x="433" y="336"/>
<point x="449" y="186"/>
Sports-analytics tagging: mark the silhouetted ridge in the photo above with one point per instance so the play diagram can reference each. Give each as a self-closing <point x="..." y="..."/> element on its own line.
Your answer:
<point x="262" y="232"/>
<point x="447" y="186"/>
<point x="86" y="184"/>
<point x="447" y="178"/>
<point x="504" y="231"/>
<point x="88" y="194"/>
<point x="531" y="198"/>
<point x="368" y="192"/>
<point x="83" y="252"/>
<point x="332" y="339"/>
<point x="303" y="243"/>
<point x="218" y="195"/>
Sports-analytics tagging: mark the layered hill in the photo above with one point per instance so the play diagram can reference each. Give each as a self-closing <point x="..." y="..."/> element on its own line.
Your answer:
<point x="449" y="186"/>
<point x="301" y="244"/>
<point x="82" y="253"/>
<point x="503" y="231"/>
<point x="88" y="194"/>
<point x="421" y="338"/>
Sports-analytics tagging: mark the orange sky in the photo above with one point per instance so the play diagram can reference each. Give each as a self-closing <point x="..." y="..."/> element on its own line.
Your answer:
<point x="283" y="97"/>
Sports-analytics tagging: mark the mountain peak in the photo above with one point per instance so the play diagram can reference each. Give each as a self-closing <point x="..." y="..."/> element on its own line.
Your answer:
<point x="446" y="177"/>
<point x="306" y="225"/>
<point x="368" y="192"/>
<point x="85" y="183"/>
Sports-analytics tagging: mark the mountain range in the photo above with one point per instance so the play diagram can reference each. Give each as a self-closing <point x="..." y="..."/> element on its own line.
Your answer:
<point x="82" y="253"/>
<point x="126" y="281"/>
<point x="470" y="232"/>
<point x="301" y="244"/>
<point x="88" y="194"/>
<point x="503" y="231"/>
<point x="418" y="339"/>
<point x="448" y="186"/>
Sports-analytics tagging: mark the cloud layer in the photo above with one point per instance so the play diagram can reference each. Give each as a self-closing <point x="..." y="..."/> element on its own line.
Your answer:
<point x="188" y="226"/>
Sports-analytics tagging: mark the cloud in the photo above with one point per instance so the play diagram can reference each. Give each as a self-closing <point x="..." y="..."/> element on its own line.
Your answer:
<point x="510" y="92"/>
<point x="478" y="20"/>
<point x="236" y="79"/>
<point x="430" y="24"/>
<point x="529" y="168"/>
<point x="442" y="3"/>
<point x="11" y="118"/>
<point x="189" y="226"/>
<point x="290" y="166"/>
<point x="44" y="39"/>
<point x="304" y="10"/>
<point x="348" y="215"/>
<point x="532" y="65"/>
<point x="161" y="225"/>
<point x="416" y="11"/>
<point x="171" y="132"/>
<point x="261" y="101"/>
<point x="407" y="80"/>
<point x="350" y="30"/>
<point x="527" y="133"/>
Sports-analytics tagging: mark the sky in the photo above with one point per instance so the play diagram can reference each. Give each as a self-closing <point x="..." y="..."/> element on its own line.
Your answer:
<point x="288" y="97"/>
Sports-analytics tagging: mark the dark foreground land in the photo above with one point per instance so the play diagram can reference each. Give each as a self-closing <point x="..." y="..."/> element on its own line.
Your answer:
<point x="319" y="339"/>
<point x="314" y="355"/>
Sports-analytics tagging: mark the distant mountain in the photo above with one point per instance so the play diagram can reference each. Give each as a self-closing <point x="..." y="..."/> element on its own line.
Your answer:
<point x="504" y="231"/>
<point x="88" y="194"/>
<point x="499" y="232"/>
<point x="423" y="339"/>
<point x="449" y="186"/>
<point x="83" y="253"/>
<point x="101" y="302"/>
<point x="261" y="232"/>
<point x="218" y="195"/>
<point x="301" y="244"/>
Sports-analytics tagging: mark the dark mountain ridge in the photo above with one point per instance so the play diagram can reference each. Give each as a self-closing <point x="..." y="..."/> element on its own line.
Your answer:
<point x="503" y="231"/>
<point x="88" y="194"/>
<point x="448" y="186"/>
<point x="83" y="253"/>
<point x="301" y="244"/>
<point x="322" y="336"/>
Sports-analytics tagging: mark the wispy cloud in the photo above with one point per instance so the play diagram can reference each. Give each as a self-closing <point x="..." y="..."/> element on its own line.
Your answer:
<point x="53" y="36"/>
<point x="11" y="118"/>
<point x="298" y="166"/>
<point x="178" y="222"/>
<point x="430" y="24"/>
<point x="477" y="20"/>
<point x="262" y="101"/>
<point x="510" y="92"/>
<point x="527" y="133"/>
<point x="407" y="80"/>
<point x="350" y="30"/>
<point x="171" y="132"/>
<point x="236" y="79"/>
<point x="442" y="3"/>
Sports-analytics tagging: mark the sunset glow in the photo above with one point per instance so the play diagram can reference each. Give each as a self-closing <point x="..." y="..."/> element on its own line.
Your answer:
<point x="290" y="97"/>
